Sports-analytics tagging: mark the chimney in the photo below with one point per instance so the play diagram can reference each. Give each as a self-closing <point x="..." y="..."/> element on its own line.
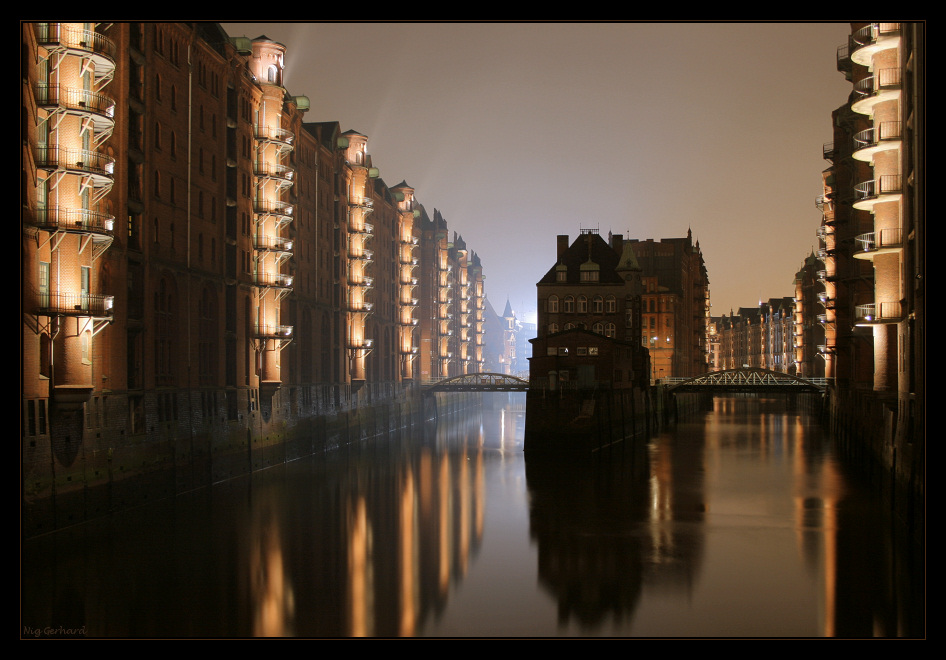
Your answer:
<point x="562" y="245"/>
<point x="617" y="243"/>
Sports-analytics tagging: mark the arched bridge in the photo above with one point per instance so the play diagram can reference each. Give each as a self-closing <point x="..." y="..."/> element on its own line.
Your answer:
<point x="746" y="379"/>
<point x="485" y="382"/>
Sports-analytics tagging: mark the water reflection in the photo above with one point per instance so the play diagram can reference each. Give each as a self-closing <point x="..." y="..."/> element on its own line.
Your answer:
<point x="739" y="522"/>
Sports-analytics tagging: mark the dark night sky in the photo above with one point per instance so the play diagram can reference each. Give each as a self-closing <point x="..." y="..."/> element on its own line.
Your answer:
<point x="518" y="132"/>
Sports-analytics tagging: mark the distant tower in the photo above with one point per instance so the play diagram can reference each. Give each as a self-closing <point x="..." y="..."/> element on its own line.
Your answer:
<point x="509" y="339"/>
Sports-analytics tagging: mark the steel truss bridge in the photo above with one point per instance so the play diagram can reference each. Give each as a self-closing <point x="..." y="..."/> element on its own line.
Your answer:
<point x="485" y="382"/>
<point x="747" y="380"/>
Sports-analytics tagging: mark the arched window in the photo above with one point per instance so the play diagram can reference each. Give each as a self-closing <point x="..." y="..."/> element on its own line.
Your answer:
<point x="569" y="304"/>
<point x="609" y="330"/>
<point x="553" y="304"/>
<point x="582" y="304"/>
<point x="597" y="305"/>
<point x="569" y="326"/>
<point x="553" y="328"/>
<point x="207" y="336"/>
<point x="164" y="332"/>
<point x="272" y="74"/>
<point x="610" y="305"/>
<point x="598" y="328"/>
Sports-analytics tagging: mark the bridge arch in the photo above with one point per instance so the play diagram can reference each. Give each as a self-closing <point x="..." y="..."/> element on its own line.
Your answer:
<point x="745" y="379"/>
<point x="479" y="382"/>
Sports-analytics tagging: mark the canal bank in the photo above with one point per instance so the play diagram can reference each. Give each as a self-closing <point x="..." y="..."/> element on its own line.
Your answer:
<point x="90" y="465"/>
<point x="882" y="433"/>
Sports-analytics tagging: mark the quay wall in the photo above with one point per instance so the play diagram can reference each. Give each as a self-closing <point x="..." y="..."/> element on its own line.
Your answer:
<point x="883" y="434"/>
<point x="102" y="460"/>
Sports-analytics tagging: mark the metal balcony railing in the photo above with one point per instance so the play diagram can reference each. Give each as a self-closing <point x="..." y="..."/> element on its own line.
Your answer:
<point x="266" y="330"/>
<point x="63" y="218"/>
<point x="871" y="137"/>
<point x="273" y="134"/>
<point x="881" y="80"/>
<point x="885" y="238"/>
<point x="869" y="34"/>
<point x="57" y="34"/>
<point x="280" y="209"/>
<point x="278" y="280"/>
<point x="273" y="170"/>
<point x="888" y="184"/>
<point x="272" y="243"/>
<point x="884" y="312"/>
<point x="82" y="160"/>
<point x="72" y="98"/>
<point x="74" y="303"/>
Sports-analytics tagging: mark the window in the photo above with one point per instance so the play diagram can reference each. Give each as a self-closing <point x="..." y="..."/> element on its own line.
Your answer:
<point x="553" y="304"/>
<point x="569" y="304"/>
<point x="582" y="305"/>
<point x="597" y="305"/>
<point x="592" y="350"/>
<point x="598" y="328"/>
<point x="611" y="305"/>
<point x="610" y="330"/>
<point x="553" y="328"/>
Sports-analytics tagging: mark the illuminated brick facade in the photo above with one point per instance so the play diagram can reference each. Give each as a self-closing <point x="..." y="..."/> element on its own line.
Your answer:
<point x="201" y="263"/>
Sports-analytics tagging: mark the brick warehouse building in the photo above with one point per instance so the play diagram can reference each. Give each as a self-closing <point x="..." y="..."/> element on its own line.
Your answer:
<point x="209" y="281"/>
<point x="874" y="249"/>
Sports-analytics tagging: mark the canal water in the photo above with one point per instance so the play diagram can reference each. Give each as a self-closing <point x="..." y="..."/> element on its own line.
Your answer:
<point x="740" y="522"/>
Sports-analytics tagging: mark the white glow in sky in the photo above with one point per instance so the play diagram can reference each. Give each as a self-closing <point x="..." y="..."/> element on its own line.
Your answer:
<point x="518" y="132"/>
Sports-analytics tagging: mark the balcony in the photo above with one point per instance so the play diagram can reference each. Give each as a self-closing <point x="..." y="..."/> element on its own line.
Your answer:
<point x="883" y="242"/>
<point x="96" y="105"/>
<point x="57" y="303"/>
<point x="82" y="43"/>
<point x="274" y="280"/>
<point x="361" y="307"/>
<point x="278" y="172"/>
<point x="99" y="166"/>
<point x="363" y="282"/>
<point x="270" y="331"/>
<point x="280" y="209"/>
<point x="871" y="39"/>
<point x="279" y="244"/>
<point x="81" y="221"/>
<point x="363" y="255"/>
<point x="365" y="228"/>
<point x="877" y="191"/>
<point x="883" y="85"/>
<point x="279" y="136"/>
<point x="884" y="137"/>
<point x="877" y="313"/>
<point x="361" y="345"/>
